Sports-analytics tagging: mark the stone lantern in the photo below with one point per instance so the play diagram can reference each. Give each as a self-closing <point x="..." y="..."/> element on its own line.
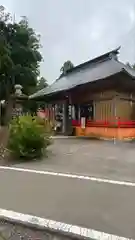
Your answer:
<point x="18" y="90"/>
<point x="18" y="99"/>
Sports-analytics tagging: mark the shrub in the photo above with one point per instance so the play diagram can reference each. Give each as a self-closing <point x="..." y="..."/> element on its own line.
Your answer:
<point x="27" y="137"/>
<point x="48" y="125"/>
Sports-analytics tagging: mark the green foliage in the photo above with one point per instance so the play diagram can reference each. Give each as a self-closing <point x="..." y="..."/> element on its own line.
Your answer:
<point x="48" y="125"/>
<point x="20" y="58"/>
<point x="33" y="105"/>
<point x="28" y="138"/>
<point x="68" y="65"/>
<point x="132" y="66"/>
<point x="3" y="15"/>
<point x="19" y="54"/>
<point x="42" y="83"/>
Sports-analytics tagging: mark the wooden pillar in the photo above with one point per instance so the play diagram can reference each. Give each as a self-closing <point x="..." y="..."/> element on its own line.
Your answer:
<point x="115" y="109"/>
<point x="65" y="118"/>
<point x="131" y="102"/>
<point x="79" y="113"/>
<point x="94" y="111"/>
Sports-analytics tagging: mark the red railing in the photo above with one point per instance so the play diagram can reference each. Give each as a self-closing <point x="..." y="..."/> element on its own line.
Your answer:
<point x="116" y="123"/>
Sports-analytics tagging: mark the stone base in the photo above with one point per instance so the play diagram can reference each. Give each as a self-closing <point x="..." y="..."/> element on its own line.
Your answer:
<point x="107" y="133"/>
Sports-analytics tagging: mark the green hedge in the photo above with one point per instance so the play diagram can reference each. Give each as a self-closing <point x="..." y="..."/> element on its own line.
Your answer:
<point x="28" y="138"/>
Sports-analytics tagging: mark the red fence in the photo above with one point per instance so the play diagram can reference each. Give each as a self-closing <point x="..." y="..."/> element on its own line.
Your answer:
<point x="49" y="113"/>
<point x="102" y="123"/>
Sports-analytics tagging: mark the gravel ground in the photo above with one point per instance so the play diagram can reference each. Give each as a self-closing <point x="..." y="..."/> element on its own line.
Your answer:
<point x="12" y="231"/>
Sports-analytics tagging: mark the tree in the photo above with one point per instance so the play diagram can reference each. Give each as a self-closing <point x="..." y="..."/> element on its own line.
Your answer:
<point x="25" y="55"/>
<point x="42" y="83"/>
<point x="19" y="54"/>
<point x="133" y="66"/>
<point x="68" y="65"/>
<point x="6" y="63"/>
<point x="129" y="65"/>
<point x="4" y="16"/>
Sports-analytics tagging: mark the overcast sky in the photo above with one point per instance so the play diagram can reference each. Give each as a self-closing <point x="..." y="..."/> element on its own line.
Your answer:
<point x="78" y="30"/>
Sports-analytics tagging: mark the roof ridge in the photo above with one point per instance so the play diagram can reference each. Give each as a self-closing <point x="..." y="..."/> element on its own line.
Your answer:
<point x="103" y="57"/>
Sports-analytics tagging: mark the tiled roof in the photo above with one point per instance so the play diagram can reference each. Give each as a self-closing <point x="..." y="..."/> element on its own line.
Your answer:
<point x="93" y="70"/>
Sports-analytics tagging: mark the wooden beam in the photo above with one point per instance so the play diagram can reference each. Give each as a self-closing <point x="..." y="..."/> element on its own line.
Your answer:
<point x="128" y="99"/>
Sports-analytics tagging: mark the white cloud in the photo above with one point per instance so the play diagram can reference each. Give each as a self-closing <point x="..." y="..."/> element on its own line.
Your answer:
<point x="79" y="29"/>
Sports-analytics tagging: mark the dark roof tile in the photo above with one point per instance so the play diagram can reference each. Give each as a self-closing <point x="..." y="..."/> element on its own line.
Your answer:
<point x="93" y="70"/>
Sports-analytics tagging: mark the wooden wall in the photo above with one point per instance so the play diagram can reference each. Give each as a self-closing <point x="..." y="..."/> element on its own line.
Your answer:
<point x="117" y="107"/>
<point x="123" y="109"/>
<point x="110" y="104"/>
<point x="104" y="110"/>
<point x="104" y="105"/>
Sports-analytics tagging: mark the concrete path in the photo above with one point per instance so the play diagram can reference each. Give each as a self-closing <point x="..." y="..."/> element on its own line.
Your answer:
<point x="106" y="207"/>
<point x="95" y="158"/>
